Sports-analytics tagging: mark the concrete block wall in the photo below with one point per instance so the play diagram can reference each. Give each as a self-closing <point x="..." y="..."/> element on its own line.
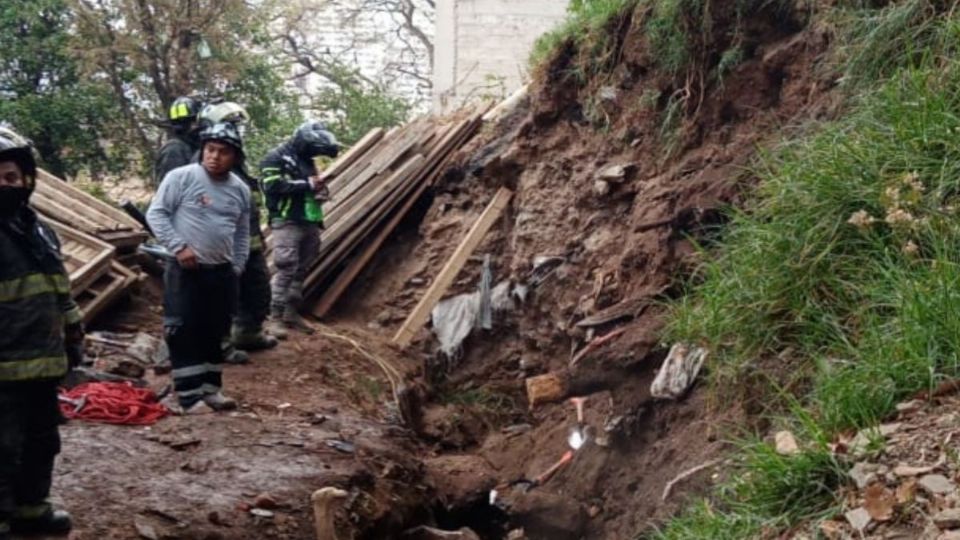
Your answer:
<point x="482" y="46"/>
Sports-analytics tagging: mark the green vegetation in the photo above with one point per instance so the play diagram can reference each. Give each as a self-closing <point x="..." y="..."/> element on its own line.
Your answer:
<point x="92" y="98"/>
<point x="848" y="259"/>
<point x="494" y="408"/>
<point x="585" y="27"/>
<point x="836" y="293"/>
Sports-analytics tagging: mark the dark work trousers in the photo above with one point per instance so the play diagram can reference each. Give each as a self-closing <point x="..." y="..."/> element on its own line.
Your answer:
<point x="197" y="308"/>
<point x="29" y="442"/>
<point x="254" y="298"/>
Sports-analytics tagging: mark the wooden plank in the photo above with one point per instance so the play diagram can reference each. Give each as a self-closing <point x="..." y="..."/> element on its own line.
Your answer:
<point x="358" y="263"/>
<point x="418" y="317"/>
<point x="507" y="106"/>
<point x="363" y="162"/>
<point x="53" y="210"/>
<point x="381" y="163"/>
<point x="111" y="286"/>
<point x="358" y="149"/>
<point x="93" y="256"/>
<point x="334" y="249"/>
<point x="443" y="152"/>
<point x="72" y="193"/>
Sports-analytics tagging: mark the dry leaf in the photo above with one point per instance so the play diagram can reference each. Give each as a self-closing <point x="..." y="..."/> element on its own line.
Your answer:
<point x="907" y="491"/>
<point x="906" y="470"/>
<point x="879" y="502"/>
<point x="832" y="530"/>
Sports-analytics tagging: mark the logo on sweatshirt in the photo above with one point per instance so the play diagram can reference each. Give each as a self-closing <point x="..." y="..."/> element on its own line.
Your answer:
<point x="204" y="200"/>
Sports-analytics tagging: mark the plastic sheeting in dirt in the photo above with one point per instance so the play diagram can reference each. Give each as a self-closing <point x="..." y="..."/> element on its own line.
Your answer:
<point x="454" y="318"/>
<point x="679" y="371"/>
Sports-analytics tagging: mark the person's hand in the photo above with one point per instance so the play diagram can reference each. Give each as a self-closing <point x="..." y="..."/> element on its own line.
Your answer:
<point x="318" y="183"/>
<point x="187" y="258"/>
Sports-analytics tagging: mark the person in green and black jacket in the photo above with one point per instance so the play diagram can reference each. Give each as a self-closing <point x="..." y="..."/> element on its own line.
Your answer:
<point x="292" y="185"/>
<point x="41" y="337"/>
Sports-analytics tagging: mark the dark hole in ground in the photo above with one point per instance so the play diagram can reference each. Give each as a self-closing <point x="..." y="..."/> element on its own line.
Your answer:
<point x="488" y="521"/>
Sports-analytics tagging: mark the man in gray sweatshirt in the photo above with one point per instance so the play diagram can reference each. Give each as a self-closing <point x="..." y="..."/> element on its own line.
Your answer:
<point x="201" y="214"/>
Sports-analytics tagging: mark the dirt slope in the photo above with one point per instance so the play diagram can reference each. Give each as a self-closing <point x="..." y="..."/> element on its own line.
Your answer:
<point x="552" y="153"/>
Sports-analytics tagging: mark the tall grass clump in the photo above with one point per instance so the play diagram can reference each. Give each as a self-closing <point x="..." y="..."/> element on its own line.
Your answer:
<point x="875" y="43"/>
<point x="585" y="27"/>
<point x="848" y="256"/>
<point x="765" y="491"/>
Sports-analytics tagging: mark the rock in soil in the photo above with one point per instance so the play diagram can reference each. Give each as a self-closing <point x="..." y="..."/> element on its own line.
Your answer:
<point x="948" y="518"/>
<point x="265" y="501"/>
<point x="859" y="519"/>
<point x="936" y="484"/>
<point x="863" y="474"/>
<point x="786" y="443"/>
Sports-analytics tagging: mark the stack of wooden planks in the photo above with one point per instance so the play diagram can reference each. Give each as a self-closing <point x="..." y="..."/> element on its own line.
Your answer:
<point x="91" y="234"/>
<point x="372" y="187"/>
<point x="79" y="210"/>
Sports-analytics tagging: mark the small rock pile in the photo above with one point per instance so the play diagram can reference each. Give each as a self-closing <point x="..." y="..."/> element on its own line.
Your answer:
<point x="905" y="477"/>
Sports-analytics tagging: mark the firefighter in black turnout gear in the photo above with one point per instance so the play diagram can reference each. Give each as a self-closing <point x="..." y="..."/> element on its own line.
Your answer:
<point x="253" y="304"/>
<point x="42" y="336"/>
<point x="294" y="190"/>
<point x="182" y="142"/>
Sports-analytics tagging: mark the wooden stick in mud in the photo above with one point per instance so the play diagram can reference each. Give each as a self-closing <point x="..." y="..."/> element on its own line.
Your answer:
<point x="324" y="511"/>
<point x="421" y="313"/>
<point x="686" y="474"/>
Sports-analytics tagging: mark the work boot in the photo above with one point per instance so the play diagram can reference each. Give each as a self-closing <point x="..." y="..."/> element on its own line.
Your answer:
<point x="172" y="403"/>
<point x="220" y="402"/>
<point x="252" y="340"/>
<point x="275" y="326"/>
<point x="48" y="521"/>
<point x="293" y="321"/>
<point x="236" y="357"/>
<point x="232" y="355"/>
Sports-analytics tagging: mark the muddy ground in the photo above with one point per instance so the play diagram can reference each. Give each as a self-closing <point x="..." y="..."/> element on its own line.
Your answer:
<point x="314" y="413"/>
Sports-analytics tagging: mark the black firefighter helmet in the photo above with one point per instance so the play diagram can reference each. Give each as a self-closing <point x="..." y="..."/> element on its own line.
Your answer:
<point x="312" y="139"/>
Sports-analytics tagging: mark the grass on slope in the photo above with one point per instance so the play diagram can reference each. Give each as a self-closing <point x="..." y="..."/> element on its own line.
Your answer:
<point x="849" y="257"/>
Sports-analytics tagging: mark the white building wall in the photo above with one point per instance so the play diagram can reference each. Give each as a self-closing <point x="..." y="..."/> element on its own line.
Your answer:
<point x="482" y="46"/>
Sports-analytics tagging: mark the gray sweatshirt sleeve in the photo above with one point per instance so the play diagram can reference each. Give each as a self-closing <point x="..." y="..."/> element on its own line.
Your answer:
<point x="241" y="238"/>
<point x="162" y="208"/>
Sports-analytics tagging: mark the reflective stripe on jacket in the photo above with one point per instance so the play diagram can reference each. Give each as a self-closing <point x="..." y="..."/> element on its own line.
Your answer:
<point x="35" y="302"/>
<point x="286" y="184"/>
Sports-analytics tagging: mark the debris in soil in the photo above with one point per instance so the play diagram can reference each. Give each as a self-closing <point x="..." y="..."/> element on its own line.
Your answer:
<point x="786" y="443"/>
<point x="429" y="533"/>
<point x="907" y="489"/>
<point x="679" y="371"/>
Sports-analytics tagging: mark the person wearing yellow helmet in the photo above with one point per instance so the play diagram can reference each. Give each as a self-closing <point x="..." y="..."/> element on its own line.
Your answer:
<point x="182" y="141"/>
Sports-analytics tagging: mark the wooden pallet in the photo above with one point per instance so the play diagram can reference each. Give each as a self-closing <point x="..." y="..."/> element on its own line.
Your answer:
<point x="106" y="290"/>
<point x="86" y="258"/>
<point x="64" y="203"/>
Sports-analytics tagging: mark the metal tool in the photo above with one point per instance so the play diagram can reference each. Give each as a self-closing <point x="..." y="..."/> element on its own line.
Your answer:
<point x="578" y="434"/>
<point x="78" y="404"/>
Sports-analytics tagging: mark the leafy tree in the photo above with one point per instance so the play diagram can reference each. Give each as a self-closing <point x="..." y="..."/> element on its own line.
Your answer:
<point x="42" y="93"/>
